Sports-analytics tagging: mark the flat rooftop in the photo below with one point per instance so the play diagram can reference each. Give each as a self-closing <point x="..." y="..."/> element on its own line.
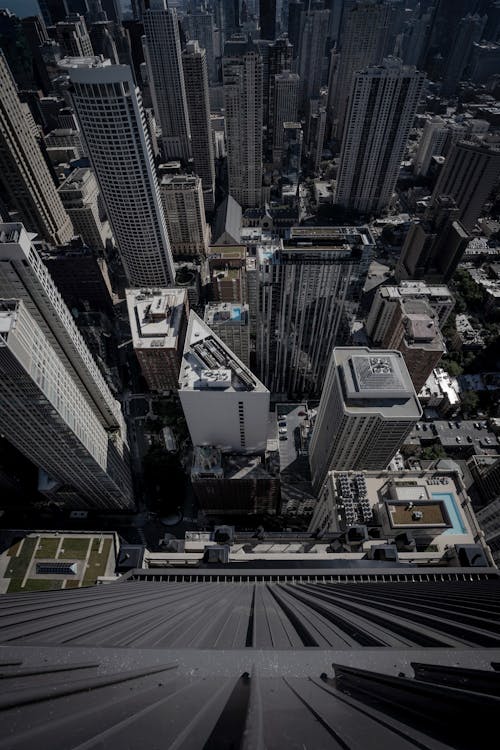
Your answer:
<point x="376" y="381"/>
<point x="208" y="364"/>
<point x="329" y="235"/>
<point x="226" y="313"/>
<point x="155" y="316"/>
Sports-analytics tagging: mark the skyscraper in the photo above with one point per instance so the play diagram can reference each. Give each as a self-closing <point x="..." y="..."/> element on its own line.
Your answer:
<point x="25" y="181"/>
<point x="80" y="196"/>
<point x="267" y="18"/>
<point x="163" y="57"/>
<point x="194" y="63"/>
<point x="308" y="294"/>
<point x="74" y="404"/>
<point x="199" y="25"/>
<point x="381" y="112"/>
<point x="284" y="105"/>
<point x="469" y="31"/>
<point x="73" y="37"/>
<point x="312" y="50"/>
<point x="109" y="109"/>
<point x="368" y="406"/>
<point x="432" y="143"/>
<point x="363" y="39"/>
<point x="469" y="174"/>
<point x="182" y="199"/>
<point x="242" y="77"/>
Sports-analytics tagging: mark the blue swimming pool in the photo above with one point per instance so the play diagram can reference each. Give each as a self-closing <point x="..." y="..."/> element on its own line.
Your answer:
<point x="236" y="313"/>
<point x="457" y="526"/>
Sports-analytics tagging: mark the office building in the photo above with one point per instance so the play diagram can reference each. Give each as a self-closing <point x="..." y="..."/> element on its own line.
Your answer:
<point x="81" y="276"/>
<point x="312" y="47"/>
<point x="227" y="270"/>
<point x="470" y="172"/>
<point x="284" y="107"/>
<point x="194" y="62"/>
<point x="108" y="102"/>
<point x="79" y="194"/>
<point x="316" y="128"/>
<point x="379" y="118"/>
<point x="309" y="290"/>
<point x="386" y="303"/>
<point x="432" y="143"/>
<point x="231" y="322"/>
<point x="368" y="407"/>
<point x="163" y="57"/>
<point x="73" y="37"/>
<point x="489" y="519"/>
<point x="277" y="57"/>
<point x="24" y="277"/>
<point x="224" y="404"/>
<point x="470" y="30"/>
<point x="182" y="198"/>
<point x="26" y="185"/>
<point x="199" y="25"/>
<point x="242" y="77"/>
<point x="158" y="321"/>
<point x="291" y="159"/>
<point x="434" y="247"/>
<point x="267" y="19"/>
<point x="363" y="39"/>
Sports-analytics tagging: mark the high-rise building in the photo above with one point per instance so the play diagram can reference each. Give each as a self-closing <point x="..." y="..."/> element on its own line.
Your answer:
<point x="80" y="197"/>
<point x="231" y="322"/>
<point x="470" y="30"/>
<point x="26" y="185"/>
<point x="69" y="378"/>
<point x="73" y="37"/>
<point x="163" y="57"/>
<point x="291" y="158"/>
<point x="182" y="199"/>
<point x="224" y="404"/>
<point x="158" y="321"/>
<point x="242" y="77"/>
<point x="379" y="118"/>
<point x="194" y="62"/>
<point x="284" y="107"/>
<point x="368" y="407"/>
<point x="434" y="247"/>
<point x="267" y="18"/>
<point x="363" y="39"/>
<point x="312" y="50"/>
<point x="227" y="269"/>
<point x="199" y="26"/>
<point x="387" y="299"/>
<point x="276" y="58"/>
<point x="309" y="290"/>
<point x="316" y="128"/>
<point x="432" y="143"/>
<point x="111" y="115"/>
<point x="417" y="38"/>
<point x="471" y="170"/>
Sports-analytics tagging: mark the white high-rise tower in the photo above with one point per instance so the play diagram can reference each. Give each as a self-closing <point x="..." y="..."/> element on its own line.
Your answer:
<point x="381" y="112"/>
<point x="163" y="57"/>
<point x="109" y="108"/>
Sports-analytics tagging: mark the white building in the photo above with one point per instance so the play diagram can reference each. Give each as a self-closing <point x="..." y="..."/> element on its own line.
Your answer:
<point x="24" y="277"/>
<point x="158" y="322"/>
<point x="224" y="404"/>
<point x="163" y="57"/>
<point x="308" y="296"/>
<point x="243" y="81"/>
<point x="26" y="183"/>
<point x="431" y="144"/>
<point x="80" y="196"/>
<point x="109" y="108"/>
<point x="380" y="115"/>
<point x="194" y="63"/>
<point x="367" y="408"/>
<point x="231" y="322"/>
<point x="182" y="198"/>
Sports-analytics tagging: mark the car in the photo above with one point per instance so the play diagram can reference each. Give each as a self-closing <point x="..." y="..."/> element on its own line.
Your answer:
<point x="417" y="426"/>
<point x="301" y="414"/>
<point x="477" y="425"/>
<point x="488" y="440"/>
<point x="281" y="423"/>
<point x="469" y="439"/>
<point x="282" y="430"/>
<point x="283" y="437"/>
<point x="459" y="439"/>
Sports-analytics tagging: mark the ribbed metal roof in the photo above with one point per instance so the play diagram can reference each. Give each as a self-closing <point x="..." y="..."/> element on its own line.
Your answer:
<point x="251" y="665"/>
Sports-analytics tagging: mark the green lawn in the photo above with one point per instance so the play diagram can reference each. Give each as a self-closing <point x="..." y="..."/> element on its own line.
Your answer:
<point x="74" y="549"/>
<point x="18" y="566"/>
<point x="97" y="562"/>
<point x="47" y="547"/>
<point x="33" y="584"/>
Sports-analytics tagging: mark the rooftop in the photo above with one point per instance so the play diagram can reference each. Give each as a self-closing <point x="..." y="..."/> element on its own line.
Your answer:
<point x="226" y="313"/>
<point x="155" y="316"/>
<point x="209" y="364"/>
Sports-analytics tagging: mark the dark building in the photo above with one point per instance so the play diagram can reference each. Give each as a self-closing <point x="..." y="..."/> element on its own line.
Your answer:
<point x="267" y="655"/>
<point x="267" y="18"/>
<point x="294" y="17"/>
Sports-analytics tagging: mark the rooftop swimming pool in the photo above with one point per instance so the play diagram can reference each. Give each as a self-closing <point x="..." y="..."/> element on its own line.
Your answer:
<point x="457" y="526"/>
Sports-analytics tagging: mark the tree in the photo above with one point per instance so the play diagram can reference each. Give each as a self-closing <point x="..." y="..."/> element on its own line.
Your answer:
<point x="451" y="366"/>
<point x="432" y="452"/>
<point x="470" y="402"/>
